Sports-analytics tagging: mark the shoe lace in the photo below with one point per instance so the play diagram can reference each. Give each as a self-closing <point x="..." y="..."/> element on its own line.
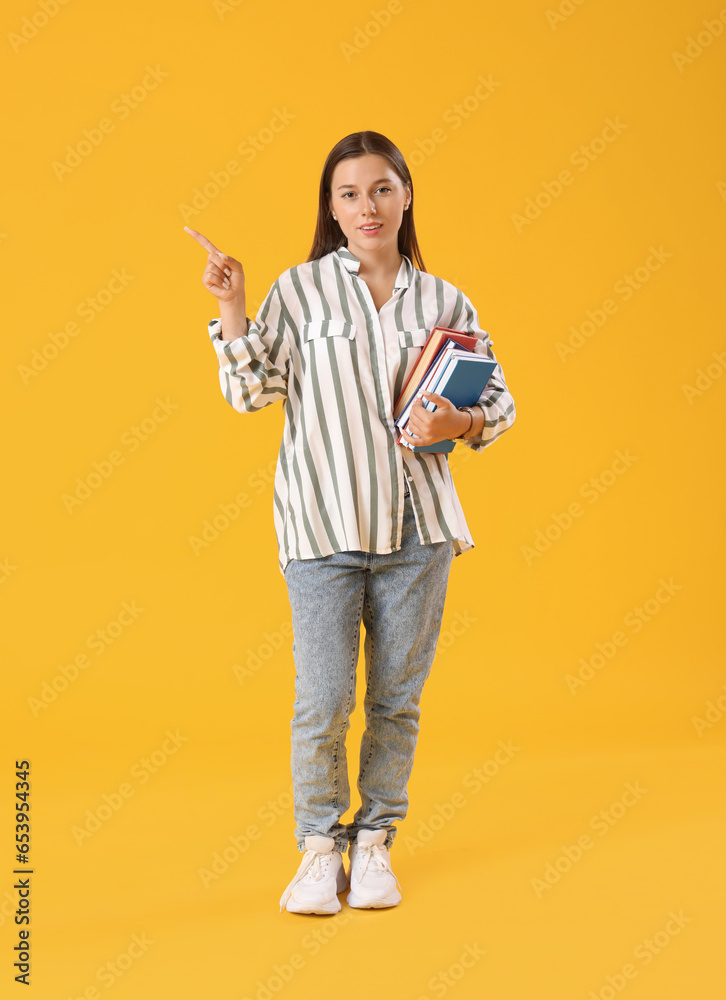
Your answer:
<point x="313" y="866"/>
<point x="375" y="856"/>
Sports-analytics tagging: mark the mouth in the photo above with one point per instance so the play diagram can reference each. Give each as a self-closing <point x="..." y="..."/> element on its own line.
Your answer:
<point x="371" y="228"/>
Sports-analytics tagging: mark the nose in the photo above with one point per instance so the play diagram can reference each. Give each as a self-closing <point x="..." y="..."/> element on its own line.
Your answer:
<point x="366" y="204"/>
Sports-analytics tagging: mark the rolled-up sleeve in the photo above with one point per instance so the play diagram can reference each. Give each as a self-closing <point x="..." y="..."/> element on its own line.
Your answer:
<point x="496" y="399"/>
<point x="253" y="368"/>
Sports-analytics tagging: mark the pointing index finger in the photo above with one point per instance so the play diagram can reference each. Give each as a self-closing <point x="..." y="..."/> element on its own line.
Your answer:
<point x="207" y="244"/>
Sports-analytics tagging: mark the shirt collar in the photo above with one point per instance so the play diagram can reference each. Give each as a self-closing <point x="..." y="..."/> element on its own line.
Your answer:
<point x="352" y="264"/>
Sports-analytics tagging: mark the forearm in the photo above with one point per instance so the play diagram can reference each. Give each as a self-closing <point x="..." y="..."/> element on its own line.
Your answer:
<point x="253" y="356"/>
<point x="498" y="413"/>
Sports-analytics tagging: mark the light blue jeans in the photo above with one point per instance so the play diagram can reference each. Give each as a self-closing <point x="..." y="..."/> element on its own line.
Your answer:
<point x="400" y="597"/>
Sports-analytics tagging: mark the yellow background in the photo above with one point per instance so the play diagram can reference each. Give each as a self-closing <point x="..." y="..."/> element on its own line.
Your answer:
<point x="475" y="879"/>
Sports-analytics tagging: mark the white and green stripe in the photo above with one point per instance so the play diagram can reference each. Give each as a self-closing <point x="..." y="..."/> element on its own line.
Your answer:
<point x="319" y="344"/>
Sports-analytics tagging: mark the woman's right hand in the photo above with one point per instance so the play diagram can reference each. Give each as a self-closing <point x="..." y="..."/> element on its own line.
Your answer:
<point x="223" y="276"/>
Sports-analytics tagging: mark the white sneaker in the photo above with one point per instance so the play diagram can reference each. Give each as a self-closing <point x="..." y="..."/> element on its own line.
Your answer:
<point x="372" y="883"/>
<point x="320" y="877"/>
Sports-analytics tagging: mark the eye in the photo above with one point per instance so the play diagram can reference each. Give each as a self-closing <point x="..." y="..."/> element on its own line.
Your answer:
<point x="352" y="193"/>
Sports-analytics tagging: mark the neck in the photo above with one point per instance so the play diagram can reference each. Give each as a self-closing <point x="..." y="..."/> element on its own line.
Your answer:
<point x="378" y="263"/>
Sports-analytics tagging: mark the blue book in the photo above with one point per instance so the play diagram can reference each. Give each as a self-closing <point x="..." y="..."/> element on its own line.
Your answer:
<point x="461" y="379"/>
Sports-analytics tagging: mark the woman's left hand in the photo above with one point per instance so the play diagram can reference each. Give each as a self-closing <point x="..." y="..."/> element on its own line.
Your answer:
<point x="438" y="425"/>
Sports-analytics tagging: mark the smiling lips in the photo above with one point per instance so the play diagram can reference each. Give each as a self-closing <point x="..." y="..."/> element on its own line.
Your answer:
<point x="370" y="229"/>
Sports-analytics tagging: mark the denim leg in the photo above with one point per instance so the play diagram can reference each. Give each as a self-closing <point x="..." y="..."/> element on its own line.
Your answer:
<point x="326" y="598"/>
<point x="402" y="612"/>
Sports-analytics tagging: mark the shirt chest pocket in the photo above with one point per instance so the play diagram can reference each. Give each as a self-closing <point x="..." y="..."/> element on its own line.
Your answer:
<point x="318" y="329"/>
<point x="412" y="338"/>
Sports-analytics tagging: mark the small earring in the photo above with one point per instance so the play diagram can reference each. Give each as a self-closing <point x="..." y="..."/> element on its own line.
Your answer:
<point x="335" y="217"/>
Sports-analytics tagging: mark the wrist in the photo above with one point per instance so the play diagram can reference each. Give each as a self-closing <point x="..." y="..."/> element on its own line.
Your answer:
<point x="233" y="318"/>
<point x="468" y="414"/>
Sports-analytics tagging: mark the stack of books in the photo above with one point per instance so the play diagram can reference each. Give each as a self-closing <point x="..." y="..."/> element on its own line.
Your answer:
<point x="448" y="367"/>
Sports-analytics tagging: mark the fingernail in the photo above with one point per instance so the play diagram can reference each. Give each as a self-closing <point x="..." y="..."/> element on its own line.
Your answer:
<point x="222" y="254"/>
<point x="227" y="271"/>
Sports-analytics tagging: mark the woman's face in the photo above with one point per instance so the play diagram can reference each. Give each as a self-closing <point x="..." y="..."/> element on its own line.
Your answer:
<point x="368" y="198"/>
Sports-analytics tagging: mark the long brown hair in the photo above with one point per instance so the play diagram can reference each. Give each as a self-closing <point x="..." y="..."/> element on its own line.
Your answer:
<point x="328" y="234"/>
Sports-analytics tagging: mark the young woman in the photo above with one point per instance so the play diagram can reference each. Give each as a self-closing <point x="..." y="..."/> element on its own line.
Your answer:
<point x="366" y="528"/>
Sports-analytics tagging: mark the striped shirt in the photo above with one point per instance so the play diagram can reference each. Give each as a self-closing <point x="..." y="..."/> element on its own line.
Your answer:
<point x="319" y="345"/>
